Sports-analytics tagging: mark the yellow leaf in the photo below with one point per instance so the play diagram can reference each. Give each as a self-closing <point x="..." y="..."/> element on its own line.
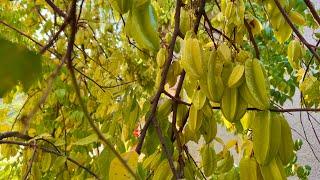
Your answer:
<point x="32" y="132"/>
<point x="4" y="127"/>
<point x="118" y="171"/>
<point x="229" y="145"/>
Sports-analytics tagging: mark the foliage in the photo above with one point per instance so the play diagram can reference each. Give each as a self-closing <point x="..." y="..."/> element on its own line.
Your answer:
<point x="117" y="89"/>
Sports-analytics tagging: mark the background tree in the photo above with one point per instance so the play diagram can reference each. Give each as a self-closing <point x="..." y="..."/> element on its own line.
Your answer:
<point x="116" y="89"/>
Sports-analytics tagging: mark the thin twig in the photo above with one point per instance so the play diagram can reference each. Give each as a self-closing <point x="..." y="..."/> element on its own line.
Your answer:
<point x="55" y="36"/>
<point x="174" y="98"/>
<point x="21" y="33"/>
<point x="184" y="121"/>
<point x="130" y="42"/>
<point x="304" y="131"/>
<point x="287" y="110"/>
<point x="44" y="149"/>
<point x="20" y="110"/>
<point x="95" y="82"/>
<point x="313" y="129"/>
<point x="218" y="4"/>
<point x="80" y="11"/>
<point x="30" y="38"/>
<point x="209" y="32"/>
<point x="96" y="62"/>
<point x="254" y="12"/>
<point x="174" y="131"/>
<point x="194" y="162"/>
<point x="218" y="31"/>
<point x="117" y="85"/>
<point x="31" y="161"/>
<point x="95" y="38"/>
<point x="309" y="63"/>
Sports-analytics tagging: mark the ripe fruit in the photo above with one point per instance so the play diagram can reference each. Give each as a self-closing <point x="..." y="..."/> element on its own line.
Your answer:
<point x="295" y="53"/>
<point x="286" y="146"/>
<point x="236" y="77"/>
<point x="266" y="129"/>
<point x="142" y="26"/>
<point x="297" y="18"/>
<point x="257" y="84"/>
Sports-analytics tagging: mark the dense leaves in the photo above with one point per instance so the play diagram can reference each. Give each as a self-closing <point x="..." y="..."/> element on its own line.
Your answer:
<point x="142" y="79"/>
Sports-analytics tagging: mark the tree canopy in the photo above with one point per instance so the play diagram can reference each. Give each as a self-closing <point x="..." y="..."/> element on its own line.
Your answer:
<point x="118" y="89"/>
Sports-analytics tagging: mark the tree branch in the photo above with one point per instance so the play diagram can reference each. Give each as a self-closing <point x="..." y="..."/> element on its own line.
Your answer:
<point x="302" y="39"/>
<point x="56" y="9"/>
<point x="313" y="11"/>
<point x="218" y="31"/>
<point x="55" y="36"/>
<point x="26" y="119"/>
<point x="179" y="101"/>
<point x="96" y="83"/>
<point x="44" y="149"/>
<point x="174" y="98"/>
<point x="29" y="37"/>
<point x="163" y="78"/>
<point x="14" y="134"/>
<point x="174" y="131"/>
<point x="160" y="90"/>
<point x="21" y="33"/>
<point x="73" y="23"/>
<point x="117" y="85"/>
<point x="256" y="48"/>
<point x="31" y="161"/>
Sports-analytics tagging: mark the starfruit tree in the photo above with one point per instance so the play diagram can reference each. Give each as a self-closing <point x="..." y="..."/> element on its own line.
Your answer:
<point x="118" y="89"/>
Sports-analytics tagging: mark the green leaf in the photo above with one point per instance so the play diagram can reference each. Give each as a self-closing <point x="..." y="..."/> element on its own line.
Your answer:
<point x="17" y="64"/>
<point x="103" y="162"/>
<point x="45" y="162"/>
<point x="89" y="139"/>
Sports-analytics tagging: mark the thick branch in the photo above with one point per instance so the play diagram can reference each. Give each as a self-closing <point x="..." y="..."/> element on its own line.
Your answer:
<point x="313" y="11"/>
<point x="160" y="90"/>
<point x="14" y="134"/>
<point x="71" y="40"/>
<point x="56" y="9"/>
<point x="256" y="48"/>
<point x="164" y="76"/>
<point x="174" y="131"/>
